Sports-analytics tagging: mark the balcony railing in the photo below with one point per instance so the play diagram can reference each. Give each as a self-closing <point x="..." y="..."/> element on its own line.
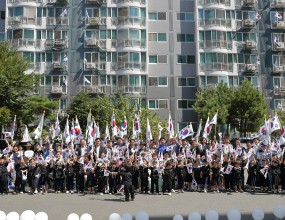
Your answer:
<point x="93" y="89"/>
<point x="132" y="43"/>
<point x="26" y="43"/>
<point x="216" y="67"/>
<point x="56" y="43"/>
<point x="95" y="21"/>
<point x="278" y="68"/>
<point x="216" y="44"/>
<point x="57" y="21"/>
<point x="23" y="1"/>
<point x="278" y="25"/>
<point x="96" y="1"/>
<point x="128" y="1"/>
<point x="55" y="89"/>
<point x="248" y="68"/>
<point x="18" y="20"/>
<point x="131" y="66"/>
<point x="63" y="2"/>
<point x="129" y="21"/>
<point x="246" y="23"/>
<point x="277" y="4"/>
<point x="279" y="46"/>
<point x="94" y="66"/>
<point x="133" y="89"/>
<point x="215" y="22"/>
<point x="214" y="2"/>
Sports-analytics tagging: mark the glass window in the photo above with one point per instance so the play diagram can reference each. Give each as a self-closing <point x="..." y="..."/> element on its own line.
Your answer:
<point x="186" y="81"/>
<point x="103" y="12"/>
<point x="134" y="12"/>
<point x="162" y="104"/>
<point x="190" y="38"/>
<point x="162" y="58"/>
<point x="161" y="16"/>
<point x="152" y="81"/>
<point x="162" y="81"/>
<point x="189" y="16"/>
<point x="151" y="104"/>
<point x="152" y="16"/>
<point x="161" y="37"/>
<point x="181" y="59"/>
<point x="28" y="34"/>
<point x="152" y="59"/>
<point x="182" y="104"/>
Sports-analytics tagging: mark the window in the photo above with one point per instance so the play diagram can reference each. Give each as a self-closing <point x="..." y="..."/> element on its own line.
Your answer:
<point x="158" y="103"/>
<point x="186" y="81"/>
<point x="279" y="104"/>
<point x="157" y="59"/>
<point x="157" y="81"/>
<point x="2" y="15"/>
<point x="157" y="16"/>
<point x="185" y="16"/>
<point x="160" y="37"/>
<point x="187" y="38"/>
<point x="185" y="103"/>
<point x="189" y="59"/>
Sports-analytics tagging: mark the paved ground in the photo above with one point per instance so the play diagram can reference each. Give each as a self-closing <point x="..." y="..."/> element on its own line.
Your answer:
<point x="159" y="207"/>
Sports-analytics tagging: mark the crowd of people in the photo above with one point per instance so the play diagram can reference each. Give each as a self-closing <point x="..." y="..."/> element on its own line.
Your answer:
<point x="163" y="166"/>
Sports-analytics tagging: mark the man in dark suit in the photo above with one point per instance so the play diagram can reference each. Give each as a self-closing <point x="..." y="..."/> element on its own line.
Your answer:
<point x="98" y="149"/>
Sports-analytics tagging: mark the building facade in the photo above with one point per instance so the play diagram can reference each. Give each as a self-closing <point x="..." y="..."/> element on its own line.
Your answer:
<point x="157" y="52"/>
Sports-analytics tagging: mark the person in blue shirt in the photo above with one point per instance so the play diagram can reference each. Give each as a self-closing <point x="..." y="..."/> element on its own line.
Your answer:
<point x="162" y="146"/>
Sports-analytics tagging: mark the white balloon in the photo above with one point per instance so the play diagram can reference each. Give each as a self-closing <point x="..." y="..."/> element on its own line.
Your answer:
<point x="178" y="217"/>
<point x="86" y="216"/>
<point x="27" y="215"/>
<point x="12" y="216"/>
<point x="258" y="214"/>
<point x="142" y="216"/>
<point x="279" y="212"/>
<point x="127" y="216"/>
<point x="114" y="216"/>
<point x="212" y="215"/>
<point x="194" y="216"/>
<point x="234" y="214"/>
<point x="73" y="216"/>
<point x="41" y="216"/>
<point x="2" y="215"/>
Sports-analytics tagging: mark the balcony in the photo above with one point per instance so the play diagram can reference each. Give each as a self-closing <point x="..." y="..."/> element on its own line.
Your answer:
<point x="58" y="66"/>
<point x="278" y="69"/>
<point x="215" y="22"/>
<point x="96" y="2"/>
<point x="247" y="68"/>
<point x="92" y="89"/>
<point x="129" y="21"/>
<point x="132" y="43"/>
<point x="26" y="43"/>
<point x="133" y="89"/>
<point x="62" y="2"/>
<point x="247" y="23"/>
<point x="215" y="44"/>
<point x="23" y="20"/>
<point x="94" y="66"/>
<point x="131" y="66"/>
<point x="278" y="46"/>
<point x="24" y="1"/>
<point x="278" y="25"/>
<point x="279" y="90"/>
<point x="277" y="4"/>
<point x="216" y="67"/>
<point x="56" y="43"/>
<point x="57" y="21"/>
<point x="57" y="90"/>
<point x="214" y="2"/>
<point x="248" y="3"/>
<point x="91" y="42"/>
<point x="95" y="21"/>
<point x="128" y="1"/>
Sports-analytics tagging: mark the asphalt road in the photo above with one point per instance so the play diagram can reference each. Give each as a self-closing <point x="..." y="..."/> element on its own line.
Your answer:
<point x="159" y="207"/>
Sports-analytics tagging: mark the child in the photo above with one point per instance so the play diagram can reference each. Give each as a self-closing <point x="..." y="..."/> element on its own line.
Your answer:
<point x="215" y="175"/>
<point x="252" y="173"/>
<point x="189" y="177"/>
<point x="154" y="176"/>
<point x="91" y="181"/>
<point x="113" y="178"/>
<point x="69" y="173"/>
<point x="238" y="177"/>
<point x="205" y="174"/>
<point x="101" y="178"/>
<point x="144" y="176"/>
<point x="167" y="176"/>
<point x="127" y="182"/>
<point x="263" y="177"/>
<point x="135" y="175"/>
<point x="228" y="176"/>
<point x="32" y="168"/>
<point x="276" y="176"/>
<point x="79" y="174"/>
<point x="58" y="176"/>
<point x="3" y="176"/>
<point x="44" y="176"/>
<point x="180" y="172"/>
<point x="196" y="173"/>
<point x="20" y="182"/>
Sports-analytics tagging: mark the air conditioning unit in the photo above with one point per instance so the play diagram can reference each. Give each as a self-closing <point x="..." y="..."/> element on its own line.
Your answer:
<point x="279" y="46"/>
<point x="56" y="90"/>
<point x="93" y="21"/>
<point x="16" y="19"/>
<point x="249" y="44"/>
<point x="280" y="24"/>
<point x="90" y="42"/>
<point x="249" y="23"/>
<point x="248" y="3"/>
<point x="57" y="65"/>
<point x="90" y="66"/>
<point x="59" y="43"/>
<point x="250" y="67"/>
<point x="278" y="69"/>
<point x="49" y="43"/>
<point x="279" y="3"/>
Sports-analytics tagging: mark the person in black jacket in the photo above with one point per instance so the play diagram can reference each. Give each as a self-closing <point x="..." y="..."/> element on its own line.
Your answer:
<point x="154" y="176"/>
<point x="113" y="178"/>
<point x="252" y="174"/>
<point x="32" y="169"/>
<point x="127" y="182"/>
<point x="167" y="176"/>
<point x="205" y="174"/>
<point x="58" y="172"/>
<point x="79" y="175"/>
<point x="44" y="169"/>
<point x="20" y="182"/>
<point x="69" y="173"/>
<point x="3" y="176"/>
<point x="180" y="173"/>
<point x="144" y="176"/>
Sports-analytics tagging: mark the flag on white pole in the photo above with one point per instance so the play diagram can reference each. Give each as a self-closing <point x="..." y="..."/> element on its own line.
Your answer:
<point x="114" y="125"/>
<point x="148" y="131"/>
<point x="26" y="136"/>
<point x="137" y="124"/>
<point x="55" y="128"/>
<point x="86" y="80"/>
<point x="214" y="120"/>
<point x="124" y="126"/>
<point x="207" y="129"/>
<point x="160" y="128"/>
<point x="77" y="129"/>
<point x="274" y="124"/>
<point x="107" y="133"/>
<point x="198" y="131"/>
<point x="72" y="131"/>
<point x="170" y="127"/>
<point x="39" y="129"/>
<point x="66" y="133"/>
<point x="13" y="128"/>
<point x="185" y="132"/>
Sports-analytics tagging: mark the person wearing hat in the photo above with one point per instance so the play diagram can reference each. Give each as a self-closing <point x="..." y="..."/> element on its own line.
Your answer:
<point x="3" y="176"/>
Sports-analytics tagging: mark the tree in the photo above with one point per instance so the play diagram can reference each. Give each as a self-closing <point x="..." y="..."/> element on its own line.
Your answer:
<point x="102" y="108"/>
<point x="4" y="116"/>
<point x="213" y="99"/>
<point x="247" y="108"/>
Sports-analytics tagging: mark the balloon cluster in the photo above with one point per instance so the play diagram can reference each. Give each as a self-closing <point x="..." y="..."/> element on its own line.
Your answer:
<point x="26" y="215"/>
